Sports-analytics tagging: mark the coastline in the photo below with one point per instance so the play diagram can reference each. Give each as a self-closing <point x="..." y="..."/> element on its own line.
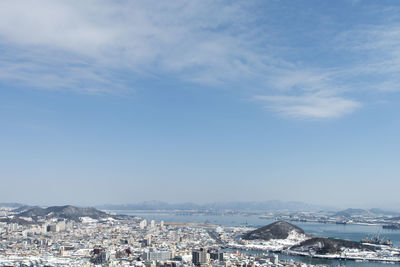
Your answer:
<point x="317" y="256"/>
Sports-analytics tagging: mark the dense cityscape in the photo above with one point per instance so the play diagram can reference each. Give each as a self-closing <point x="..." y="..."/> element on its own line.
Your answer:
<point x="123" y="242"/>
<point x="71" y="236"/>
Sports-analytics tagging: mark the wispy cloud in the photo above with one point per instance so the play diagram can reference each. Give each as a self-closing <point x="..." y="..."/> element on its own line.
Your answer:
<point x="371" y="67"/>
<point x="376" y="56"/>
<point x="312" y="106"/>
<point x="197" y="41"/>
<point x="104" y="46"/>
<point x="309" y="94"/>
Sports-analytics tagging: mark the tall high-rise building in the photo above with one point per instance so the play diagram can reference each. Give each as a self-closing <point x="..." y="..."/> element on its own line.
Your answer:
<point x="147" y="240"/>
<point x="200" y="257"/>
<point x="143" y="224"/>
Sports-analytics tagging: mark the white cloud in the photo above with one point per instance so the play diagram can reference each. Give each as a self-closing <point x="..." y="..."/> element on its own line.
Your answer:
<point x="305" y="93"/>
<point x="312" y="106"/>
<point x="191" y="40"/>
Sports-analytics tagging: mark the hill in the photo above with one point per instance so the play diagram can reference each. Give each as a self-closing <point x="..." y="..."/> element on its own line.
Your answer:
<point x="65" y="212"/>
<point x="24" y="208"/>
<point x="276" y="230"/>
<point x="10" y="205"/>
<point x="352" y="212"/>
<point x="323" y="246"/>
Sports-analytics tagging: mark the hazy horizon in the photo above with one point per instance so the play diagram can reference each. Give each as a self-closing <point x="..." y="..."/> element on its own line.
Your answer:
<point x="153" y="203"/>
<point x="200" y="101"/>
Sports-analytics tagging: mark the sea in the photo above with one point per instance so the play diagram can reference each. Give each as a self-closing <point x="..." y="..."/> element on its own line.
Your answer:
<point x="353" y="232"/>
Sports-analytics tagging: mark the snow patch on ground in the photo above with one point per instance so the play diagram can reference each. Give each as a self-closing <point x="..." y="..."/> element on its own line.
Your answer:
<point x="293" y="238"/>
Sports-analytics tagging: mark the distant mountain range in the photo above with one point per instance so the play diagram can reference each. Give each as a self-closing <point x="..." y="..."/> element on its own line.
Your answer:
<point x="365" y="212"/>
<point x="265" y="206"/>
<point x="273" y="205"/>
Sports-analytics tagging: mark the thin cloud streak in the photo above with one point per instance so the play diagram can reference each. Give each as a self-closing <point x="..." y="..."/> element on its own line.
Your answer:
<point x="376" y="56"/>
<point x="312" y="106"/>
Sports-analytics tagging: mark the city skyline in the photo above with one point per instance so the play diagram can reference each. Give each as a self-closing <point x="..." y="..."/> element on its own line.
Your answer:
<point x="107" y="102"/>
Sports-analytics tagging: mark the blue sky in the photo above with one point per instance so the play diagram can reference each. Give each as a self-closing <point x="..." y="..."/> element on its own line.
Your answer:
<point x="126" y="101"/>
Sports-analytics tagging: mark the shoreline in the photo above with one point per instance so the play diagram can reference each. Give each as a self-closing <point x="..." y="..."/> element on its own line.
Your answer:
<point x="316" y="256"/>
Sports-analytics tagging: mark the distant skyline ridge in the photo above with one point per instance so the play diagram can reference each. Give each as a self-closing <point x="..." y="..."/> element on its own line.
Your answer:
<point x="236" y="206"/>
<point x="258" y="206"/>
<point x="272" y="205"/>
